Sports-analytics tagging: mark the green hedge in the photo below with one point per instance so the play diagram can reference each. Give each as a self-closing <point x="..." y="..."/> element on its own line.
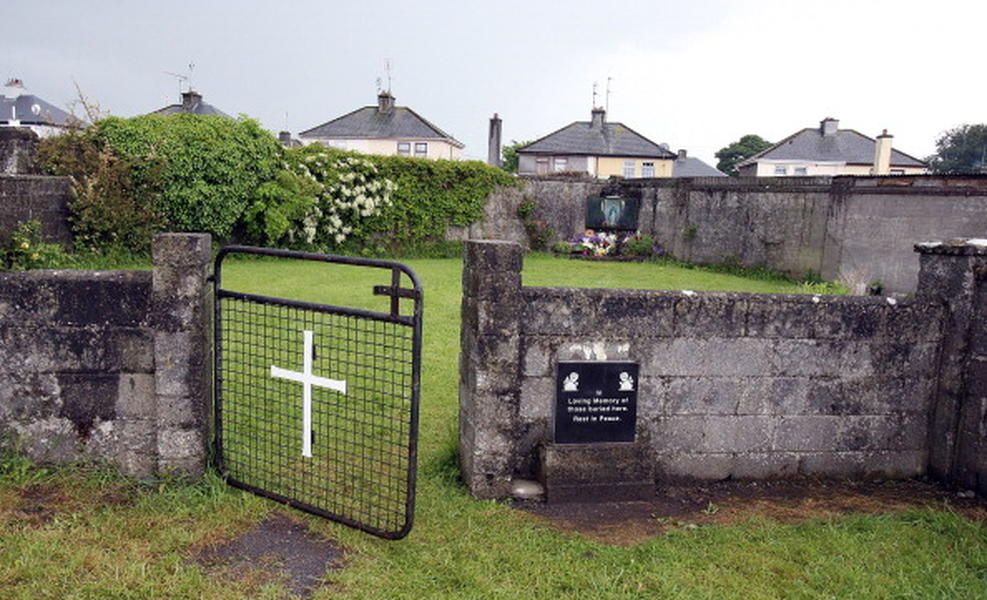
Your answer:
<point x="231" y="178"/>
<point x="427" y="197"/>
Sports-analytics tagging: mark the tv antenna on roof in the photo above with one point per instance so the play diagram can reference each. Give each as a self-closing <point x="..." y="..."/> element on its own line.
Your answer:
<point x="594" y="95"/>
<point x="607" y="107"/>
<point x="183" y="79"/>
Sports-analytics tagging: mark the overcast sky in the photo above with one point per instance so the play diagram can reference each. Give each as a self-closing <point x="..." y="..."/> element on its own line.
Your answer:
<point x="695" y="74"/>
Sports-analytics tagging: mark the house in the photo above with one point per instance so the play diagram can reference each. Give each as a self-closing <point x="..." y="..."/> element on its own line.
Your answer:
<point x="690" y="166"/>
<point x="191" y="103"/>
<point x="385" y="129"/>
<point x="20" y="109"/>
<point x="829" y="150"/>
<point x="598" y="148"/>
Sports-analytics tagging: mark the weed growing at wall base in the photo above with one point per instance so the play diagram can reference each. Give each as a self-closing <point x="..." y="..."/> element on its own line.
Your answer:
<point x="27" y="250"/>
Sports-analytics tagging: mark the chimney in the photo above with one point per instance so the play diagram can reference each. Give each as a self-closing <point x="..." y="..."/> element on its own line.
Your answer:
<point x="882" y="154"/>
<point x="285" y="138"/>
<point x="682" y="154"/>
<point x="385" y="102"/>
<point x="190" y="99"/>
<point x="597" y="118"/>
<point x="828" y="126"/>
<point x="493" y="142"/>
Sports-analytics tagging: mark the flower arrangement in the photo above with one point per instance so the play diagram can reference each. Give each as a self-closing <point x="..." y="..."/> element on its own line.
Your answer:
<point x="593" y="243"/>
<point x="604" y="244"/>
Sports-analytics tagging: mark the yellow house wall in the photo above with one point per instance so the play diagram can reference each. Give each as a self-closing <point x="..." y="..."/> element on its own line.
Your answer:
<point x="767" y="169"/>
<point x="607" y="166"/>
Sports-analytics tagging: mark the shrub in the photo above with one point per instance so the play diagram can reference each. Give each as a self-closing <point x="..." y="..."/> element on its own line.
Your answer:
<point x="109" y="208"/>
<point x="212" y="166"/>
<point x="638" y="245"/>
<point x="539" y="232"/>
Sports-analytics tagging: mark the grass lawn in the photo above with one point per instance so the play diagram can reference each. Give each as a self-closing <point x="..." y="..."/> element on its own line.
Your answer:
<point x="82" y="533"/>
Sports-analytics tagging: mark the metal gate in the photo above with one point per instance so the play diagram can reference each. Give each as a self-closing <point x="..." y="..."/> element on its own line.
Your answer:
<point x="316" y="405"/>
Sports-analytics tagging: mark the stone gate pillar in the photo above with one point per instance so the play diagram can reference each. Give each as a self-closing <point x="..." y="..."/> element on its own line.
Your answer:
<point x="489" y="364"/>
<point x="954" y="273"/>
<point x="181" y="319"/>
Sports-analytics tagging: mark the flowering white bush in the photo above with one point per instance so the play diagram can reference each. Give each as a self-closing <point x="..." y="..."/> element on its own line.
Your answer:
<point x="352" y="190"/>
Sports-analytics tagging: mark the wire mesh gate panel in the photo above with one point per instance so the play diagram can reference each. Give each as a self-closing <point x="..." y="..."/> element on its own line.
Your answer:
<point x="316" y="405"/>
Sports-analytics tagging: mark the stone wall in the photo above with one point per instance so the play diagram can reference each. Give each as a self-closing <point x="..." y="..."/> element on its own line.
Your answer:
<point x="859" y="229"/>
<point x="560" y="201"/>
<point x="112" y="365"/>
<point x="46" y="199"/>
<point x="731" y="385"/>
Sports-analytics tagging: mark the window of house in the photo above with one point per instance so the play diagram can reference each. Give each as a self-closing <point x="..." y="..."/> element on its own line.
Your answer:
<point x="781" y="170"/>
<point x="628" y="169"/>
<point x="541" y="166"/>
<point x="341" y="144"/>
<point x="404" y="148"/>
<point x="561" y="164"/>
<point x="421" y="149"/>
<point x="648" y="169"/>
<point x="801" y="171"/>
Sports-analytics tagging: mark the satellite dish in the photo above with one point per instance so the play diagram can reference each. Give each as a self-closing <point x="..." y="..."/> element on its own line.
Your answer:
<point x="36" y="109"/>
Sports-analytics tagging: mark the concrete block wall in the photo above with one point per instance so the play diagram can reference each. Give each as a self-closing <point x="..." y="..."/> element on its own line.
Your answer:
<point x="112" y="365"/>
<point x="731" y="385"/>
<point x="860" y="229"/>
<point x="42" y="198"/>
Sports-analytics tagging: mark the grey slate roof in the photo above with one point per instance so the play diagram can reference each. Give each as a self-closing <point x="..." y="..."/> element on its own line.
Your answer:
<point x="191" y="104"/>
<point x="693" y="167"/>
<point x="371" y="123"/>
<point x="582" y="138"/>
<point x="846" y="145"/>
<point x="32" y="110"/>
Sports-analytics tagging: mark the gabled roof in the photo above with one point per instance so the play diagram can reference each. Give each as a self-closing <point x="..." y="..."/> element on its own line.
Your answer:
<point x="597" y="139"/>
<point x="31" y="110"/>
<point x="370" y="122"/>
<point x="845" y="145"/>
<point x="688" y="166"/>
<point x="193" y="104"/>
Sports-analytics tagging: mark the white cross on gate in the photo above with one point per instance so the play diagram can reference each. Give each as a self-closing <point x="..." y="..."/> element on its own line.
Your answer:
<point x="307" y="380"/>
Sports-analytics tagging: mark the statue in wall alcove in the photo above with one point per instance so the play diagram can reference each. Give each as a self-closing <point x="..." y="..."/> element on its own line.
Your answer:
<point x="612" y="213"/>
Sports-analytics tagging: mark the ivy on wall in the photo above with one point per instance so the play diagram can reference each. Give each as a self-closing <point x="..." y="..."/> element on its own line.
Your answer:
<point x="411" y="200"/>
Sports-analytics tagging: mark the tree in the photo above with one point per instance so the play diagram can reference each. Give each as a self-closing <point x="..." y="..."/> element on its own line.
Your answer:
<point x="742" y="149"/>
<point x="962" y="149"/>
<point x="511" y="157"/>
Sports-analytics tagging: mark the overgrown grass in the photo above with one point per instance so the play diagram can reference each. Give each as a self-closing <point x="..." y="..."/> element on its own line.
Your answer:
<point x="106" y="537"/>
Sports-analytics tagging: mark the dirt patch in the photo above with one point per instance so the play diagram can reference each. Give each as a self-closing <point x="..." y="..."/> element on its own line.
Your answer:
<point x="625" y="523"/>
<point x="37" y="504"/>
<point x="276" y="550"/>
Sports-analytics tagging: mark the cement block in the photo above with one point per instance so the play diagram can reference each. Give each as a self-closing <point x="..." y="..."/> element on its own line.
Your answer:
<point x="537" y="398"/>
<point x="135" y="396"/>
<point x="710" y="315"/>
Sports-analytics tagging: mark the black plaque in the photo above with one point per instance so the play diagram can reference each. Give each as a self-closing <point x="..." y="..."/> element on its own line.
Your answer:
<point x="612" y="213"/>
<point x="595" y="402"/>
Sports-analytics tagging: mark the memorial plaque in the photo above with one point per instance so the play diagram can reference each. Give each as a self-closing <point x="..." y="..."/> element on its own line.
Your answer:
<point x="612" y="213"/>
<point x="595" y="401"/>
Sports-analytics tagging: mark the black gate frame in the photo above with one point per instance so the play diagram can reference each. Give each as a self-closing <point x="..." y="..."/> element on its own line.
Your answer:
<point x="396" y="293"/>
